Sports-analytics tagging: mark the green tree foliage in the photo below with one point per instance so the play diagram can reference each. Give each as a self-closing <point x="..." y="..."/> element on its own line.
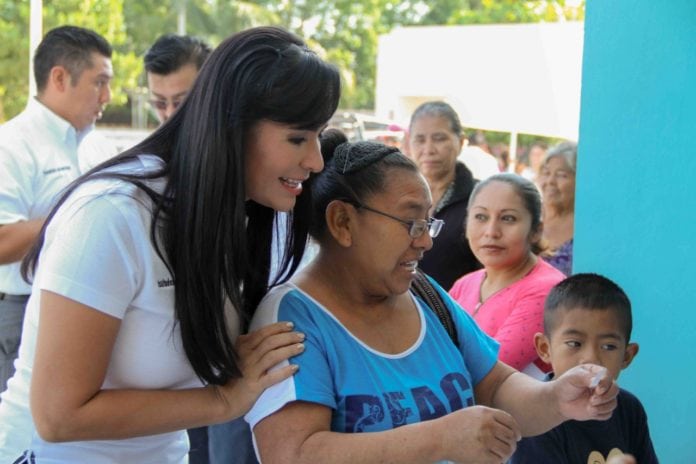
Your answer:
<point x="106" y="17"/>
<point x="349" y="29"/>
<point x="103" y="16"/>
<point x="346" y="32"/>
<point x="14" y="58"/>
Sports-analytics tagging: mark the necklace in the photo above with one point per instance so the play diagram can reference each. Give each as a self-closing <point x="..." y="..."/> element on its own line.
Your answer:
<point x="476" y="309"/>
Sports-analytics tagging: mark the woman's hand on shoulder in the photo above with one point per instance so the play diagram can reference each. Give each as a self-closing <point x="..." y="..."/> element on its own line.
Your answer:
<point x="261" y="353"/>
<point x="479" y="434"/>
<point x="586" y="392"/>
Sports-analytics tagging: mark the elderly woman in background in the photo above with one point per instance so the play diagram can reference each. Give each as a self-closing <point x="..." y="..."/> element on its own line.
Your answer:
<point x="506" y="297"/>
<point x="435" y="140"/>
<point x="557" y="183"/>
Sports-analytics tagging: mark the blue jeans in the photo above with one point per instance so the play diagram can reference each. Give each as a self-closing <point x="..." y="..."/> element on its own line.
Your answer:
<point x="198" y="439"/>
<point x="230" y="443"/>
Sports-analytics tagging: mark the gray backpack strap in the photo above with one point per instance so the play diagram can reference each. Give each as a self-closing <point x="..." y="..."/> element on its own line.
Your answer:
<point x="422" y="287"/>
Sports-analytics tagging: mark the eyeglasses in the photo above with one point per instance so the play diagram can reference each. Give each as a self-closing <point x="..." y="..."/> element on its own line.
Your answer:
<point x="161" y="105"/>
<point x="417" y="227"/>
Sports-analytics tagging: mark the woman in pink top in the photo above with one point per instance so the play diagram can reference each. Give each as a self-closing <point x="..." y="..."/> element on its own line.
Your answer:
<point x="506" y="297"/>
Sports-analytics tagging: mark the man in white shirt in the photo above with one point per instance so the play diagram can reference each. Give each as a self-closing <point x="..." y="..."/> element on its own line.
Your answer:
<point x="172" y="64"/>
<point x="39" y="158"/>
<point x="481" y="163"/>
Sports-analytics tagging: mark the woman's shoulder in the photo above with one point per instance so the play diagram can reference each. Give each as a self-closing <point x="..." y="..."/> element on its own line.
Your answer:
<point x="545" y="272"/>
<point x="566" y="248"/>
<point x="469" y="281"/>
<point x="471" y="277"/>
<point x="539" y="281"/>
<point x="125" y="167"/>
<point x="280" y="302"/>
<point x="111" y="185"/>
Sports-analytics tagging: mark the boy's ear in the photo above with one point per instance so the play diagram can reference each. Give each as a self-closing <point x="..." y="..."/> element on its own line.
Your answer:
<point x="631" y="352"/>
<point x="338" y="222"/>
<point x="543" y="347"/>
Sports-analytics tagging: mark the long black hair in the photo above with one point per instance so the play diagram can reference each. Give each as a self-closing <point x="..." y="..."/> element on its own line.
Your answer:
<point x="216" y="244"/>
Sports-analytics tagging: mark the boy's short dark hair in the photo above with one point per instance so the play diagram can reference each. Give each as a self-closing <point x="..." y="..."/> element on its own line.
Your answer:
<point x="170" y="52"/>
<point x="70" y="47"/>
<point x="590" y="292"/>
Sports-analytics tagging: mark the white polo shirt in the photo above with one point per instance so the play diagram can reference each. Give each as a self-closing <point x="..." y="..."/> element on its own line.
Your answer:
<point x="38" y="158"/>
<point x="98" y="252"/>
<point x="481" y="164"/>
<point x="95" y="148"/>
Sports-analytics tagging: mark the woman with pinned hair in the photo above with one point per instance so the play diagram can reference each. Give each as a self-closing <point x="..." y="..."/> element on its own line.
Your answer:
<point x="151" y="264"/>
<point x="506" y="297"/>
<point x="557" y="183"/>
<point x="380" y="378"/>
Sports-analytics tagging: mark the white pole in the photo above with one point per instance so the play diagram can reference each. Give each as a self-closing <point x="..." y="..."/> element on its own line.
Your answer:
<point x="181" y="23"/>
<point x="513" y="151"/>
<point x="35" y="35"/>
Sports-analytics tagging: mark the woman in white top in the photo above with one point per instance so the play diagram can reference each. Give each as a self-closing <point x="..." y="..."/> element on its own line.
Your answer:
<point x="151" y="264"/>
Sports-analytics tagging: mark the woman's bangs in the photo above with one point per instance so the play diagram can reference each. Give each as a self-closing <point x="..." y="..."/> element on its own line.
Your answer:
<point x="309" y="94"/>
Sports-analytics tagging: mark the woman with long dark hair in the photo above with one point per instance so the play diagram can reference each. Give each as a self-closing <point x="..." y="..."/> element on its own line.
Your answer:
<point x="150" y="264"/>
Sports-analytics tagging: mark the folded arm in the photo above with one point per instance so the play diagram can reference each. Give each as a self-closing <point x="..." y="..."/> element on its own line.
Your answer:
<point x="73" y="350"/>
<point x="16" y="239"/>
<point x="300" y="433"/>
<point x="539" y="406"/>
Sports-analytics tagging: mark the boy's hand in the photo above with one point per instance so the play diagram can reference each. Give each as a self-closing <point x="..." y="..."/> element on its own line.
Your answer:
<point x="586" y="392"/>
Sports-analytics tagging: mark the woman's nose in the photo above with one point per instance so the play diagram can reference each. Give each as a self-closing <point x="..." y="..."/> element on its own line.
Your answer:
<point x="492" y="228"/>
<point x="313" y="162"/>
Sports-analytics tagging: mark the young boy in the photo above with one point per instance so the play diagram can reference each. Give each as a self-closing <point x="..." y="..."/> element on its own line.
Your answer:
<point x="587" y="319"/>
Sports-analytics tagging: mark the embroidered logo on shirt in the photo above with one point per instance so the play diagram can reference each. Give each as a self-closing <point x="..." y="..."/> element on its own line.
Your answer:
<point x="165" y="283"/>
<point x="58" y="169"/>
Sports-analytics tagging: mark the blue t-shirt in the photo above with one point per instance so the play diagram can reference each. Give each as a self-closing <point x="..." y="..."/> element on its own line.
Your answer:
<point x="368" y="390"/>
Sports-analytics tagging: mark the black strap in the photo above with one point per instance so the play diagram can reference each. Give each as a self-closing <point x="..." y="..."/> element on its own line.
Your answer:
<point x="422" y="287"/>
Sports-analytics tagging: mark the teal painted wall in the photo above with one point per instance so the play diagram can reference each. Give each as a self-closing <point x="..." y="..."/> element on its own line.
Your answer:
<point x="636" y="196"/>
